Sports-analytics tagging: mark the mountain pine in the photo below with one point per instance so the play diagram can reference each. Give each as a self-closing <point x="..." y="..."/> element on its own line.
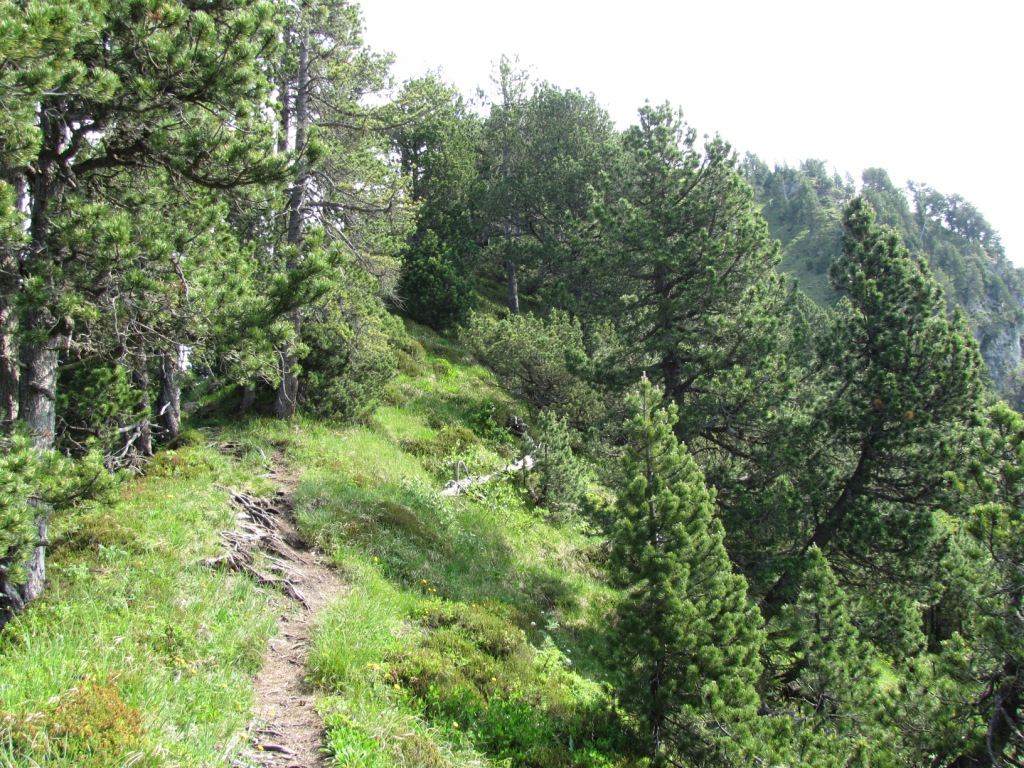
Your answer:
<point x="686" y="639"/>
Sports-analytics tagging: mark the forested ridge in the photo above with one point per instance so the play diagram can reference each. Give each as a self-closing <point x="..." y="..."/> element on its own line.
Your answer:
<point x="763" y="520"/>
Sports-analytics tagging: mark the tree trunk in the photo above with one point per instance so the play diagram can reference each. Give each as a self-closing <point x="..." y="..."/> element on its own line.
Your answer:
<point x="44" y="336"/>
<point x="1004" y="725"/>
<point x="672" y="378"/>
<point x="511" y="228"/>
<point x="11" y="602"/>
<point x="9" y="373"/>
<point x="287" y="392"/>
<point x="36" y="568"/>
<point x="169" y="400"/>
<point x="8" y="358"/>
<point x="248" y="399"/>
<point x="38" y="382"/>
<point x="513" y="287"/>
<point x="826" y="530"/>
<point x="143" y="439"/>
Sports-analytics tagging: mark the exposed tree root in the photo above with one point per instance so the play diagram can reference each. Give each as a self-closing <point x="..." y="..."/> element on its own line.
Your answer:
<point x="256" y="548"/>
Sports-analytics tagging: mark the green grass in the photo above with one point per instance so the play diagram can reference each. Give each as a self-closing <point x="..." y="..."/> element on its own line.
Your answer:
<point x="137" y="654"/>
<point x="470" y="620"/>
<point x="466" y="636"/>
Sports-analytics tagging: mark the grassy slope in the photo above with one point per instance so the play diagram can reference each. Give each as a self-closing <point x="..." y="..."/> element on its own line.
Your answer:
<point x="138" y="655"/>
<point x="466" y="638"/>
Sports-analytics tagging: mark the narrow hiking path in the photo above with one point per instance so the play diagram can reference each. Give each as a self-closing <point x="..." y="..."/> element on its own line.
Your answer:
<point x="286" y="717"/>
<point x="287" y="731"/>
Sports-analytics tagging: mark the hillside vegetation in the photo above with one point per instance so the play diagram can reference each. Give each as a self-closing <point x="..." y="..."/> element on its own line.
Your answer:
<point x="259" y="308"/>
<point x="468" y="633"/>
<point x="803" y="208"/>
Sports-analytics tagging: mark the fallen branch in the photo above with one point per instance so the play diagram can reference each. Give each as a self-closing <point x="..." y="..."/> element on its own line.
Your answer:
<point x="460" y="485"/>
<point x="276" y="748"/>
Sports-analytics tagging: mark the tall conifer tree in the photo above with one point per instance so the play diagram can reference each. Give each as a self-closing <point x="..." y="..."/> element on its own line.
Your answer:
<point x="344" y="203"/>
<point x="686" y="639"/>
<point x="897" y="379"/>
<point x="689" y="274"/>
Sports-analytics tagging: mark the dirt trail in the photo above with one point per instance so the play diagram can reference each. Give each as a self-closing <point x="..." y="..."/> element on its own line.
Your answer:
<point x="287" y="731"/>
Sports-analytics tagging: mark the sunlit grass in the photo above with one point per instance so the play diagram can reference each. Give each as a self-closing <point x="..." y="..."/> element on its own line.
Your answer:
<point x="132" y="624"/>
<point x="464" y="636"/>
<point x="369" y="495"/>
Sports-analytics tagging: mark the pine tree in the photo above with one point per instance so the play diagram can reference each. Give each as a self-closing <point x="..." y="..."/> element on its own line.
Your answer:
<point x="896" y="381"/>
<point x="115" y="88"/>
<point x="437" y="141"/>
<point x="686" y="638"/>
<point x="988" y="662"/>
<point x="824" y="647"/>
<point x="543" y="151"/>
<point x="344" y="203"/>
<point x="559" y="479"/>
<point x="687" y="274"/>
<point x="164" y="272"/>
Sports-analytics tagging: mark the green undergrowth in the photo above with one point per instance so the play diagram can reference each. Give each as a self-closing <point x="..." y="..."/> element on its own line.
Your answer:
<point x="467" y="635"/>
<point x="137" y="654"/>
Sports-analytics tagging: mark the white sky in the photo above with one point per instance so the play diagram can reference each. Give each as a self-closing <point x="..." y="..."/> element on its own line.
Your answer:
<point x="930" y="91"/>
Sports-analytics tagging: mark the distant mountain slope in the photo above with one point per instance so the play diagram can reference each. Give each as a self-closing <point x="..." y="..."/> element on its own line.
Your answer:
<point x="803" y="206"/>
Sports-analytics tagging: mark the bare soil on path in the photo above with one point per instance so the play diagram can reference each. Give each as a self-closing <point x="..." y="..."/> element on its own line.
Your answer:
<point x="287" y="731"/>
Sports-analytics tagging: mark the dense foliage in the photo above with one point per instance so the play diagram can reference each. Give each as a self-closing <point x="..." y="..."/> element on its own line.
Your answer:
<point x="803" y="207"/>
<point x="685" y="639"/>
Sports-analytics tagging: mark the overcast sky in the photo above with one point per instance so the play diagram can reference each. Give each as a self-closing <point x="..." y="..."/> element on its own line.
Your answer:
<point x="930" y="91"/>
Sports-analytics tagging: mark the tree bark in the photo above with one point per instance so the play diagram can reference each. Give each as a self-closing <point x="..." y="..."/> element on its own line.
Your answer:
<point x="11" y="602"/>
<point x="36" y="568"/>
<point x="288" y="390"/>
<point x="169" y="400"/>
<point x="44" y="336"/>
<point x="143" y="439"/>
<point x="9" y="374"/>
<point x="513" y="287"/>
<point x="248" y="399"/>
<point x="38" y="381"/>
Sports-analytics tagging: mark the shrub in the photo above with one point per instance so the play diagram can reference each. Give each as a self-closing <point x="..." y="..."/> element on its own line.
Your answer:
<point x="432" y="289"/>
<point x="478" y="674"/>
<point x="543" y="362"/>
<point x="437" y="453"/>
<point x="89" y="726"/>
<point x="351" y="355"/>
<point x="96" y="402"/>
<point x="558" y="477"/>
